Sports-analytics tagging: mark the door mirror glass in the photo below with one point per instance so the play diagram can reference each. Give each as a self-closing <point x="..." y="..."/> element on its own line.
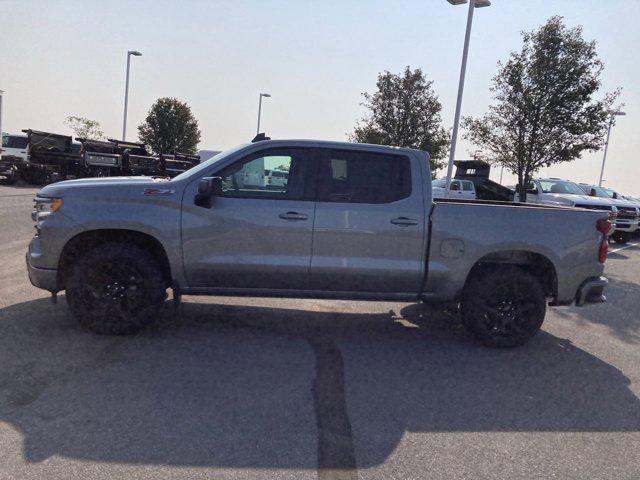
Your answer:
<point x="211" y="186"/>
<point x="208" y="187"/>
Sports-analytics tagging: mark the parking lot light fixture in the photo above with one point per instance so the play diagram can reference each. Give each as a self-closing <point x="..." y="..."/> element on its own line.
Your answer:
<point x="135" y="53"/>
<point x="473" y="4"/>
<point x="615" y="114"/>
<point x="266" y="95"/>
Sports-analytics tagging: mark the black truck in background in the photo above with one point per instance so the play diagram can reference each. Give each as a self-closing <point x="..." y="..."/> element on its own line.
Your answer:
<point x="53" y="157"/>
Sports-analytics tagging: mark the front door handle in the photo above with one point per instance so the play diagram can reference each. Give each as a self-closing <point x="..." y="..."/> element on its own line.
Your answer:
<point x="294" y="216"/>
<point x="404" y="221"/>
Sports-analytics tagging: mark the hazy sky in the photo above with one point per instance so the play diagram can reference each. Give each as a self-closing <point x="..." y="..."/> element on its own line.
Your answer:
<point x="64" y="58"/>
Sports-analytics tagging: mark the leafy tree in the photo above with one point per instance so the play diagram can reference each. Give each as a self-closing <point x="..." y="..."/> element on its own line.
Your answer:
<point x="170" y="127"/>
<point x="544" y="110"/>
<point x="404" y="112"/>
<point x="84" y="128"/>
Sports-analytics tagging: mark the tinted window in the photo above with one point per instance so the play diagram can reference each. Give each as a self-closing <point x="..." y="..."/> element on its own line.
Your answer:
<point x="467" y="186"/>
<point x="249" y="177"/>
<point x="560" y="186"/>
<point x="358" y="177"/>
<point x="14" y="142"/>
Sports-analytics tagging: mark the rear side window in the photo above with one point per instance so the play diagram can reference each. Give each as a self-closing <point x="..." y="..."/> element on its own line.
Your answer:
<point x="467" y="186"/>
<point x="361" y="177"/>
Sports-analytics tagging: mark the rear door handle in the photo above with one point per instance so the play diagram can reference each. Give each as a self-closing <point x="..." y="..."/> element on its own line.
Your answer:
<point x="294" y="216"/>
<point x="404" y="221"/>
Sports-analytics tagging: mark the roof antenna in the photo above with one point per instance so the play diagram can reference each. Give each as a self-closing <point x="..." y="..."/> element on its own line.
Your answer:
<point x="260" y="137"/>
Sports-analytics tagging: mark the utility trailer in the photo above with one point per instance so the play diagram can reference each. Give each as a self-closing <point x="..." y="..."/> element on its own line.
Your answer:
<point x="51" y="157"/>
<point x="173" y="165"/>
<point x="135" y="158"/>
<point x="477" y="172"/>
<point x="99" y="158"/>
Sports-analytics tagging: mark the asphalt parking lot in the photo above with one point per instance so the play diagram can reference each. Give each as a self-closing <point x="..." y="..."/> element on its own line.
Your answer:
<point x="242" y="388"/>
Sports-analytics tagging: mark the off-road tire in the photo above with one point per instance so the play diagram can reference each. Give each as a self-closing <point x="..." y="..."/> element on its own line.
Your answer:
<point x="115" y="289"/>
<point x="503" y="306"/>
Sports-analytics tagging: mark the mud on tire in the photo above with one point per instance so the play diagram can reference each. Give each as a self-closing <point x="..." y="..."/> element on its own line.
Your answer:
<point x="503" y="306"/>
<point x="115" y="289"/>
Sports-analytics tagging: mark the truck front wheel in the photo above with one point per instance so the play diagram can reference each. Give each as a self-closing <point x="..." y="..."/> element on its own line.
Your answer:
<point x="621" y="237"/>
<point x="503" y="306"/>
<point x="115" y="289"/>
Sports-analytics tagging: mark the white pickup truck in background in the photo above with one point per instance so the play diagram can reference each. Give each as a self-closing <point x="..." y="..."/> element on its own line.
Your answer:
<point x="460" y="189"/>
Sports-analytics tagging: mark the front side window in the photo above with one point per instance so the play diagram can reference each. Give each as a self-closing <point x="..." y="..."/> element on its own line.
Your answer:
<point x="255" y="176"/>
<point x="18" y="142"/>
<point x="360" y="177"/>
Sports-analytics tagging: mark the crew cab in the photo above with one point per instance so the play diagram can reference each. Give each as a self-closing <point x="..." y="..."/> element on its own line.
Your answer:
<point x="460" y="189"/>
<point x="353" y="221"/>
<point x="626" y="223"/>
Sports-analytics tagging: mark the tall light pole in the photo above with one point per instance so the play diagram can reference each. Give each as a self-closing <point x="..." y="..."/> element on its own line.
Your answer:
<point x="266" y="95"/>
<point x="473" y="4"/>
<point x="126" y="91"/>
<point x="1" y="92"/>
<point x="606" y="145"/>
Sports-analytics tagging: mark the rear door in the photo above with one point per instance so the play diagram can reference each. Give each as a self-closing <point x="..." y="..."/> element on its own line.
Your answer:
<point x="369" y="223"/>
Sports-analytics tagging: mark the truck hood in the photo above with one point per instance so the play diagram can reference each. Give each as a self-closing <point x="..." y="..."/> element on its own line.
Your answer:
<point x="570" y="200"/>
<point x="58" y="189"/>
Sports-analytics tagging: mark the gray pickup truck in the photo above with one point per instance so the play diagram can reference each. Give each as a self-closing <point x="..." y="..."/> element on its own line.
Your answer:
<point x="349" y="221"/>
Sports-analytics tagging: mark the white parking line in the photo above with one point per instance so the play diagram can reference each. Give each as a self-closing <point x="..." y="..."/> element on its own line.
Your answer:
<point x="623" y="248"/>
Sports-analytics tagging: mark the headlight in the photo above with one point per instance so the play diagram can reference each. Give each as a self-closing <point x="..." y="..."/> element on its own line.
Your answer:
<point x="44" y="206"/>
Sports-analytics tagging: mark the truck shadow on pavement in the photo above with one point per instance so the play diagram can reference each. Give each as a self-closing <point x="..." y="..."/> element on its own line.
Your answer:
<point x="255" y="387"/>
<point x="615" y="315"/>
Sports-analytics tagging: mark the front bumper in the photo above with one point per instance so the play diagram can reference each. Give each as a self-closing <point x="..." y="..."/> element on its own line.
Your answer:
<point x="592" y="291"/>
<point x="629" y="226"/>
<point x="44" y="278"/>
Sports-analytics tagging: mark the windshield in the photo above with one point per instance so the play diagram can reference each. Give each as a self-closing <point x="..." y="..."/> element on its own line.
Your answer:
<point x="204" y="165"/>
<point x="560" y="186"/>
<point x="608" y="192"/>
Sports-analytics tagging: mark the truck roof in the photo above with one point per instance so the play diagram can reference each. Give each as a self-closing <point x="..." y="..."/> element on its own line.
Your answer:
<point x="336" y="144"/>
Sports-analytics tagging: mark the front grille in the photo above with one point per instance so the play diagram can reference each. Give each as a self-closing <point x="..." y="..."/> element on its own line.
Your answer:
<point x="595" y="207"/>
<point x="630" y="213"/>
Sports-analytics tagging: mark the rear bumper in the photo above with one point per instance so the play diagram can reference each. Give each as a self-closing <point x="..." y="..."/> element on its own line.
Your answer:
<point x="44" y="278"/>
<point x="592" y="291"/>
<point x="626" y="225"/>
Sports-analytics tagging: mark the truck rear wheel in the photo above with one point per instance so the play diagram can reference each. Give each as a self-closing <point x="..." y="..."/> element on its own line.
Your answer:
<point x="115" y="289"/>
<point x="503" y="306"/>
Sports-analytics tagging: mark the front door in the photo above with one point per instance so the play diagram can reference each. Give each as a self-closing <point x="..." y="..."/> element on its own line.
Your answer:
<point x="370" y="223"/>
<point x="258" y="234"/>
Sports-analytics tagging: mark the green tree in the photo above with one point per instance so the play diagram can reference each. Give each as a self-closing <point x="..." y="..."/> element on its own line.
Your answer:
<point x="544" y="109"/>
<point x="84" y="128"/>
<point x="404" y="112"/>
<point x="170" y="127"/>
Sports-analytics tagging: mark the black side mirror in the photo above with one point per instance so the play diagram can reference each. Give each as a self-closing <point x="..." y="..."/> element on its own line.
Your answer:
<point x="615" y="195"/>
<point x="208" y="187"/>
<point x="211" y="186"/>
<point x="593" y="193"/>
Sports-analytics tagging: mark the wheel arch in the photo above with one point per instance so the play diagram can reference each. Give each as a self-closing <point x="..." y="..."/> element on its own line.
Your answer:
<point x="537" y="264"/>
<point x="86" y="240"/>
